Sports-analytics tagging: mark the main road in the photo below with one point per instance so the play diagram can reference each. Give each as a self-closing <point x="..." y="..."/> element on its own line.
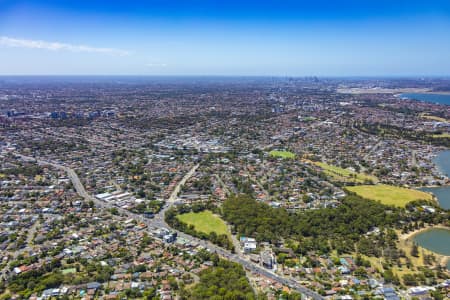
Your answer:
<point x="158" y="222"/>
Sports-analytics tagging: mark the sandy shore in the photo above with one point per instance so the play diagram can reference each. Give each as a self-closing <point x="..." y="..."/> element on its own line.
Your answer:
<point x="407" y="236"/>
<point x="441" y="258"/>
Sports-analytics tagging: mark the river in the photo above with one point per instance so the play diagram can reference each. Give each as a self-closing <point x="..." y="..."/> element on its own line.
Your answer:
<point x="438" y="239"/>
<point x="442" y="194"/>
<point x="442" y="161"/>
<point x="428" y="97"/>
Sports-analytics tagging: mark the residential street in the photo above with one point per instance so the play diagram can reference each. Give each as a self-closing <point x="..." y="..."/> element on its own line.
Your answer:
<point x="158" y="222"/>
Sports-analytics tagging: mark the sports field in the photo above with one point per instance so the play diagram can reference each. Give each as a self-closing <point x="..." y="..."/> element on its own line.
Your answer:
<point x="205" y="221"/>
<point x="442" y="135"/>
<point x="282" y="154"/>
<point x="345" y="174"/>
<point x="434" y="118"/>
<point x="389" y="195"/>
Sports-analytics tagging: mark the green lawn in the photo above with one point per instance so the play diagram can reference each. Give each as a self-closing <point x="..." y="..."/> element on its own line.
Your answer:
<point x="389" y="195"/>
<point x="205" y="221"/>
<point x="344" y="174"/>
<point x="69" y="271"/>
<point x="442" y="135"/>
<point x="434" y="118"/>
<point x="308" y="119"/>
<point x="282" y="154"/>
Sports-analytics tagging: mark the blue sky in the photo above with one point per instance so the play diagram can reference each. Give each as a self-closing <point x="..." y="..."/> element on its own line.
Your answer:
<point x="193" y="37"/>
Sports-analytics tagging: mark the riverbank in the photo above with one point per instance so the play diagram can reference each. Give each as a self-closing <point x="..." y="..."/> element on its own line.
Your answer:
<point x="441" y="195"/>
<point x="440" y="191"/>
<point x="409" y="235"/>
<point x="434" y="98"/>
<point x="406" y="241"/>
<point x="433" y="186"/>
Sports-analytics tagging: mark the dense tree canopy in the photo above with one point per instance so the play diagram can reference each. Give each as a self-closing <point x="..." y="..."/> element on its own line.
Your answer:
<point x="226" y="280"/>
<point x="346" y="223"/>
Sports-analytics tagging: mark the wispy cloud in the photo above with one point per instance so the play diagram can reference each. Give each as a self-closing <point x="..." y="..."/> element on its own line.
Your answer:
<point x="57" y="46"/>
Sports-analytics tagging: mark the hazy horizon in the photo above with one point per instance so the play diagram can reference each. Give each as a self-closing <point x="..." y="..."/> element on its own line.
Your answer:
<point x="345" y="38"/>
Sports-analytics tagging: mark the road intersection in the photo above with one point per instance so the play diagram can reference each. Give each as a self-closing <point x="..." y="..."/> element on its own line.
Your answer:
<point x="158" y="222"/>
